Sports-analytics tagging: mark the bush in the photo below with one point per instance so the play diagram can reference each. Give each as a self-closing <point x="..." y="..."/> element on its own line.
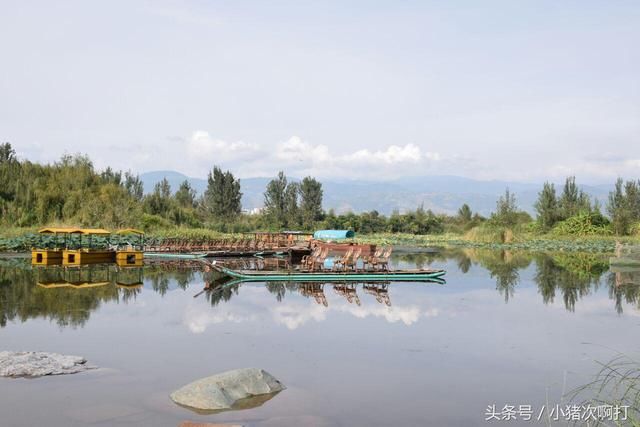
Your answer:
<point x="154" y="222"/>
<point x="584" y="224"/>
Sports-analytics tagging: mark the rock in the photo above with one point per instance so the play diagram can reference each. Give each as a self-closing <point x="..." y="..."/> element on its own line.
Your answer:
<point x="237" y="389"/>
<point x="37" y="364"/>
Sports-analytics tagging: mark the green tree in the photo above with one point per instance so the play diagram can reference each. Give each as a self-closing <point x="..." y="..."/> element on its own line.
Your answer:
<point x="632" y="196"/>
<point x="7" y="153"/>
<point x="275" y="204"/>
<point x="186" y="195"/>
<point x="547" y="206"/>
<point x="618" y="210"/>
<point x="110" y="176"/>
<point x="573" y="200"/>
<point x="133" y="185"/>
<point x="465" y="214"/>
<point x="506" y="213"/>
<point x="311" y="201"/>
<point x="292" y="211"/>
<point x="159" y="202"/>
<point x="222" y="198"/>
<point x="9" y="170"/>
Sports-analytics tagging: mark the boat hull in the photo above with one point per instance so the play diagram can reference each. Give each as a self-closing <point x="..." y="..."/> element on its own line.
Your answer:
<point x="336" y="276"/>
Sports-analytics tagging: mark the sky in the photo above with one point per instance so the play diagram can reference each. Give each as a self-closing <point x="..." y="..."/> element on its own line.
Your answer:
<point x="523" y="91"/>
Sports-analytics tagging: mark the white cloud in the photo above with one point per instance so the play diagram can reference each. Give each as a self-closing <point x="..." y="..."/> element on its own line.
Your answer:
<point x="297" y="150"/>
<point x="296" y="156"/>
<point x="197" y="318"/>
<point x="407" y="315"/>
<point x="303" y="158"/>
<point x="294" y="315"/>
<point x="202" y="146"/>
<point x="394" y="154"/>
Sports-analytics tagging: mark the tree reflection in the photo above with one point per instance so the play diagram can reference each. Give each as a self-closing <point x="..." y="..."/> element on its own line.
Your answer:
<point x="624" y="286"/>
<point x="68" y="295"/>
<point x="573" y="275"/>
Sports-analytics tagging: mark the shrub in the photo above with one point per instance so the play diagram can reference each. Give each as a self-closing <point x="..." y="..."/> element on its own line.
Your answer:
<point x="583" y="224"/>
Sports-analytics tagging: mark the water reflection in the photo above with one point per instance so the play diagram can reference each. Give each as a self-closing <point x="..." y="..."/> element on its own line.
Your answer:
<point x="571" y="276"/>
<point x="68" y="296"/>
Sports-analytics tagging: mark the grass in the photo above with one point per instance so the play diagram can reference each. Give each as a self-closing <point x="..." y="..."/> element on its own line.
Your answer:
<point x="617" y="383"/>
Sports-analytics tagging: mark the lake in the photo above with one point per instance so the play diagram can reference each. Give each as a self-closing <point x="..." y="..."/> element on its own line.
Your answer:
<point x="507" y="328"/>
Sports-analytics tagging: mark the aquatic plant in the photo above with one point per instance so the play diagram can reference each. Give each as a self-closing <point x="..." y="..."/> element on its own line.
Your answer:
<point x="616" y="384"/>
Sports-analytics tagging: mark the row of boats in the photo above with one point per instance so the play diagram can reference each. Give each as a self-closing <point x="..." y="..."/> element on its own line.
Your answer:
<point x="285" y="256"/>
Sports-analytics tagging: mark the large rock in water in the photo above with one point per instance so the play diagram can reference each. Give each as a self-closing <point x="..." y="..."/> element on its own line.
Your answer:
<point x="237" y="389"/>
<point x="37" y="364"/>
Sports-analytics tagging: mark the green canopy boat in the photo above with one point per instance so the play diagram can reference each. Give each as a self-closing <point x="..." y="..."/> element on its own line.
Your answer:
<point x="330" y="276"/>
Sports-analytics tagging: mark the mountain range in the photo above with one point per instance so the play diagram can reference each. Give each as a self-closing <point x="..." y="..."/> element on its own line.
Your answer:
<point x="440" y="193"/>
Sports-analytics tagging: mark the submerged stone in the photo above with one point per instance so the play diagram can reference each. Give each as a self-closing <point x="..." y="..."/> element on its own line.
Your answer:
<point x="37" y="364"/>
<point x="237" y="389"/>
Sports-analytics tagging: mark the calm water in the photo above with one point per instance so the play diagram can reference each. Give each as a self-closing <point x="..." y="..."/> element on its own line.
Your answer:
<point x="506" y="328"/>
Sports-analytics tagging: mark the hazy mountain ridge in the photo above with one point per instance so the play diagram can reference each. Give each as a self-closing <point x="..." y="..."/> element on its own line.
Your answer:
<point x="440" y="193"/>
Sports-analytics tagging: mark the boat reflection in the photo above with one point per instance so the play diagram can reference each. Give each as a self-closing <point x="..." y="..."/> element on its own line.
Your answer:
<point x="380" y="291"/>
<point x="315" y="291"/>
<point x="349" y="291"/>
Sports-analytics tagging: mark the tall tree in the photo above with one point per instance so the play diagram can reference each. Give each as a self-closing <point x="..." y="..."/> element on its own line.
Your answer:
<point x="111" y="176"/>
<point x="9" y="168"/>
<point x="7" y="153"/>
<point x="573" y="200"/>
<point x="632" y="196"/>
<point x="232" y="195"/>
<point x="292" y="212"/>
<point x="464" y="213"/>
<point x="506" y="213"/>
<point x="222" y="198"/>
<point x="275" y="200"/>
<point x="186" y="195"/>
<point x="618" y="210"/>
<point x="624" y="205"/>
<point x="547" y="206"/>
<point x="311" y="201"/>
<point x="159" y="202"/>
<point x="133" y="185"/>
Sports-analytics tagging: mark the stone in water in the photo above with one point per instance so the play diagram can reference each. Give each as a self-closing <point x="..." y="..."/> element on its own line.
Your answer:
<point x="237" y="389"/>
<point x="37" y="364"/>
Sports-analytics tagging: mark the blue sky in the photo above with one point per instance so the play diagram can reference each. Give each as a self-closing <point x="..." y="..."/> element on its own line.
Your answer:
<point x="525" y="91"/>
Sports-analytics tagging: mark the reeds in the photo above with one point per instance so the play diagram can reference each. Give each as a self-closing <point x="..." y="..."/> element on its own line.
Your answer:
<point x="617" y="383"/>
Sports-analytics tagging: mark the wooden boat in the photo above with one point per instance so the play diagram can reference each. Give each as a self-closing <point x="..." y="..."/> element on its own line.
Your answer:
<point x="330" y="276"/>
<point x="341" y="248"/>
<point x="173" y="255"/>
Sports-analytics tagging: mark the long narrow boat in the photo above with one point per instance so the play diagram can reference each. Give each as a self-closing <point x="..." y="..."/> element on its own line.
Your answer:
<point x="174" y="255"/>
<point x="330" y="276"/>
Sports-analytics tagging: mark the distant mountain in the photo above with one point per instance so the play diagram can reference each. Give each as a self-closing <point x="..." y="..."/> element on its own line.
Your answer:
<point x="443" y="194"/>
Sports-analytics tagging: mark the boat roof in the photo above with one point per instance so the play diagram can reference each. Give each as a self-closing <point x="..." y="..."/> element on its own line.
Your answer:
<point x="69" y="230"/>
<point x="94" y="231"/>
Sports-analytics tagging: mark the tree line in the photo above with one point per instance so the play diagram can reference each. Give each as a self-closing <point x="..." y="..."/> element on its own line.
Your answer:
<point x="71" y="191"/>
